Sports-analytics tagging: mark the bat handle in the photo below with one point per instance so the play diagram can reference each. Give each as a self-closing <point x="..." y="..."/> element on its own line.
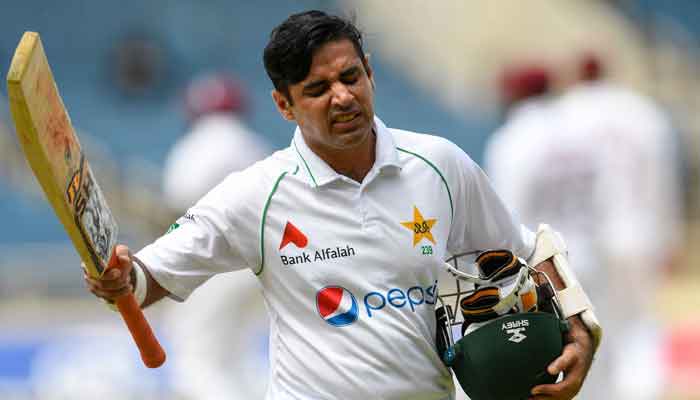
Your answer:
<point x="152" y="353"/>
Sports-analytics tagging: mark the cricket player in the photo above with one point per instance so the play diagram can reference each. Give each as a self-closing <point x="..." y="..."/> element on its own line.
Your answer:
<point x="205" y="346"/>
<point x="215" y="105"/>
<point x="346" y="231"/>
<point x="598" y="163"/>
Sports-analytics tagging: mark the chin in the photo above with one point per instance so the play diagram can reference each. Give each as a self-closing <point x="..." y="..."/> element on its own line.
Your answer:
<point x="355" y="137"/>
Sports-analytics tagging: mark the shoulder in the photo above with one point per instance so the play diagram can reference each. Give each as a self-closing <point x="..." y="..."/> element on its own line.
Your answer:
<point x="606" y="108"/>
<point x="419" y="151"/>
<point x="526" y="128"/>
<point x="611" y="98"/>
<point x="250" y="187"/>
<point x="264" y="172"/>
<point x="429" y="146"/>
<point x="529" y="118"/>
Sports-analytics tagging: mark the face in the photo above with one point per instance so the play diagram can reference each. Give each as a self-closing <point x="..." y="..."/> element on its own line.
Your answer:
<point x="333" y="105"/>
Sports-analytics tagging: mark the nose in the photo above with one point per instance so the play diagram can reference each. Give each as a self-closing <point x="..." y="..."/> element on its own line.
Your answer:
<point x="342" y="96"/>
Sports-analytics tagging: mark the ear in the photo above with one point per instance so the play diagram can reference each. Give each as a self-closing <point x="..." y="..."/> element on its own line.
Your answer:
<point x="283" y="105"/>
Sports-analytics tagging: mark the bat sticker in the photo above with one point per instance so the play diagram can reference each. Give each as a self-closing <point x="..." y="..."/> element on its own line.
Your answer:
<point x="96" y="223"/>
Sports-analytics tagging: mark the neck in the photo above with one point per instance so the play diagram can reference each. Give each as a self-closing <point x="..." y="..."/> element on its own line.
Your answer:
<point x="357" y="163"/>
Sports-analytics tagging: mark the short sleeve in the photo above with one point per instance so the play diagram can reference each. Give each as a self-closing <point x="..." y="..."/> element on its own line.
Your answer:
<point x="482" y="221"/>
<point x="216" y="235"/>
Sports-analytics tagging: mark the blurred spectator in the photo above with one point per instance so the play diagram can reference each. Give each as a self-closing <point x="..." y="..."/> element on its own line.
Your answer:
<point x="527" y="114"/>
<point x="139" y="63"/>
<point x="598" y="165"/>
<point x="202" y="157"/>
<point x="219" y="336"/>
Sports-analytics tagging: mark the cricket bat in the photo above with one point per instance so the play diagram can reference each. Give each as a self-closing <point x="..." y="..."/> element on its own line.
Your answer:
<point x="52" y="149"/>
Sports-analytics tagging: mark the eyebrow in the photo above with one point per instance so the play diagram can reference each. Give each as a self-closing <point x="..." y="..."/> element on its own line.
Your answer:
<point x="315" y="84"/>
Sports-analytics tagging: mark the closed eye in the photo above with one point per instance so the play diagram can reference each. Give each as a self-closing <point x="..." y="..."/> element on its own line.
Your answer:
<point x="315" y="89"/>
<point x="350" y="76"/>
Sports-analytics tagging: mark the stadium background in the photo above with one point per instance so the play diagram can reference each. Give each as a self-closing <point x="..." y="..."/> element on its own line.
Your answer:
<point x="121" y="67"/>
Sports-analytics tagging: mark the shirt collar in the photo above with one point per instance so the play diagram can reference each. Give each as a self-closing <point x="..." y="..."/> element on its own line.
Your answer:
<point x="319" y="173"/>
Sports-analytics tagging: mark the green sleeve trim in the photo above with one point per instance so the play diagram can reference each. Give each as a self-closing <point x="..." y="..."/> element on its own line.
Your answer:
<point x="305" y="164"/>
<point x="264" y="216"/>
<point x="172" y="227"/>
<point x="449" y="193"/>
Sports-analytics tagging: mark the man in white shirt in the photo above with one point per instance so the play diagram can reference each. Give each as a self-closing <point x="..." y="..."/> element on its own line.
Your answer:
<point x="206" y="347"/>
<point x="598" y="164"/>
<point x="346" y="231"/>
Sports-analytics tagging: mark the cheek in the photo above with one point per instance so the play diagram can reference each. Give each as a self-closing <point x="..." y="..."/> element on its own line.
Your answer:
<point x="312" y="116"/>
<point x="365" y="97"/>
<point x="368" y="107"/>
<point x="317" y="113"/>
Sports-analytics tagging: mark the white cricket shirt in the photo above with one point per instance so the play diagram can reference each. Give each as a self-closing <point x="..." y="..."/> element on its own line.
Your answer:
<point x="348" y="270"/>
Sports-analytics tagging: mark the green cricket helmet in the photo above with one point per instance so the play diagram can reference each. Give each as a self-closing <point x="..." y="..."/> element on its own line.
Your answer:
<point x="508" y="356"/>
<point x="507" y="341"/>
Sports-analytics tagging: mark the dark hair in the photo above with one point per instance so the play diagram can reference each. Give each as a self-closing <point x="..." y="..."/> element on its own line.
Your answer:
<point x="293" y="43"/>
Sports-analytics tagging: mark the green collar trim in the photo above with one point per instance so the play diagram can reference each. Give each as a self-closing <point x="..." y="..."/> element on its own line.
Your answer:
<point x="444" y="181"/>
<point x="305" y="163"/>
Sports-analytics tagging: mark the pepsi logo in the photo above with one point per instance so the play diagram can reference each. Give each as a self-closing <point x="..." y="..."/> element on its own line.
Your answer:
<point x="337" y="306"/>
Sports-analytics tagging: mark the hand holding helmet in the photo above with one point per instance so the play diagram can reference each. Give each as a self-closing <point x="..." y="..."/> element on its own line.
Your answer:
<point x="511" y="326"/>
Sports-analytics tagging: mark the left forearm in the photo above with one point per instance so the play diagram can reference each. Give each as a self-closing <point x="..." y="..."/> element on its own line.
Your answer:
<point x="548" y="268"/>
<point x="578" y="331"/>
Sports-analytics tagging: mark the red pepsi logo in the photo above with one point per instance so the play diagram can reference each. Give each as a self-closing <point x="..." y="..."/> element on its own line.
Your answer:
<point x="337" y="306"/>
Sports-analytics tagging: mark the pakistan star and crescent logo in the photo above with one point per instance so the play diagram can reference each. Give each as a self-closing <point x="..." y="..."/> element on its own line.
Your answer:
<point x="420" y="226"/>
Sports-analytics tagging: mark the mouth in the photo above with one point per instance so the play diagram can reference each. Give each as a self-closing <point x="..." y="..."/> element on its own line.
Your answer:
<point x="343" y="118"/>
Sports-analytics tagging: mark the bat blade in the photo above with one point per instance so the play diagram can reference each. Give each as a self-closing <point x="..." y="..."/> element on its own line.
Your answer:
<point x="54" y="154"/>
<point x="53" y="151"/>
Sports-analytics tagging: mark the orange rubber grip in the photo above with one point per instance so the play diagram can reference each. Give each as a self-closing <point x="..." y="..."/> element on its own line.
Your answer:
<point x="152" y="353"/>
